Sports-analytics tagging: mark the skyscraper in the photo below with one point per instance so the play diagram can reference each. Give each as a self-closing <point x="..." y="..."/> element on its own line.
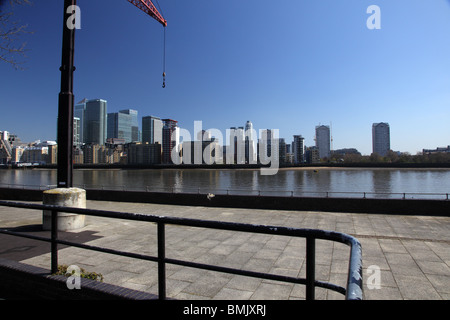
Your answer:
<point x="152" y="130"/>
<point x="119" y="126"/>
<point x="78" y="112"/>
<point x="250" y="144"/>
<point x="134" y="124"/>
<point x="381" y="140"/>
<point x="298" y="149"/>
<point x="170" y="139"/>
<point x="323" y="139"/>
<point x="95" y="122"/>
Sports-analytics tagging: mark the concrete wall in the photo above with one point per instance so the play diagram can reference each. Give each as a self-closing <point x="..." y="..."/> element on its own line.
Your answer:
<point x="380" y="206"/>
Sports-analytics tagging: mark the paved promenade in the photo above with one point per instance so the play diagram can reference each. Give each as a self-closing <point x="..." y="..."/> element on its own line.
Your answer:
<point x="411" y="252"/>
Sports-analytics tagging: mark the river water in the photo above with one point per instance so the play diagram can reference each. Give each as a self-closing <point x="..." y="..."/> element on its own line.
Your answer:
<point x="338" y="182"/>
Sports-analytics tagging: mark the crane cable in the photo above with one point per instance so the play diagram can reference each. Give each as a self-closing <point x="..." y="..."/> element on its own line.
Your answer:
<point x="164" y="50"/>
<point x="164" y="60"/>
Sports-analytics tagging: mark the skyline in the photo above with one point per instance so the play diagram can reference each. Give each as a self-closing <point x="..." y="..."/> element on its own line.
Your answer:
<point x="292" y="68"/>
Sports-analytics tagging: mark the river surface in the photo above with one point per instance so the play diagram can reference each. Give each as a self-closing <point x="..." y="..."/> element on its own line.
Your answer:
<point x="353" y="182"/>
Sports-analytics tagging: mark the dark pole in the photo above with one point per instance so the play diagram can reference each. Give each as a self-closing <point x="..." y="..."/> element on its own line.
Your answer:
<point x="66" y="102"/>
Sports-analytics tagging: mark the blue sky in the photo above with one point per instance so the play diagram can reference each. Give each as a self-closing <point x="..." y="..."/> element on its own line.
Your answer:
<point x="287" y="65"/>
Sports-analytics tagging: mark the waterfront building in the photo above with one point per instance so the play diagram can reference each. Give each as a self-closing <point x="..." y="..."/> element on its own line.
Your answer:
<point x="77" y="141"/>
<point x="134" y="124"/>
<point x="170" y="139"/>
<point x="119" y="127"/>
<point x="236" y="152"/>
<point x="265" y="145"/>
<point x="250" y="144"/>
<point x="52" y="157"/>
<point x="16" y="155"/>
<point x="298" y="149"/>
<point x="437" y="150"/>
<point x="152" y="130"/>
<point x="95" y="122"/>
<point x="144" y="153"/>
<point x="323" y="141"/>
<point x="207" y="151"/>
<point x="282" y="150"/>
<point x="312" y="155"/>
<point x="381" y="141"/>
<point x="35" y="154"/>
<point x="5" y="148"/>
<point x="78" y="112"/>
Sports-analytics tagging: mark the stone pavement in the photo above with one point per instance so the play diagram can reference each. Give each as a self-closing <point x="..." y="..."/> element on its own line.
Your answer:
<point x="411" y="252"/>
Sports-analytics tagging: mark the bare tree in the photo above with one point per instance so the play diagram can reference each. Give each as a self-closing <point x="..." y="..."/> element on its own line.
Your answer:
<point x="10" y="47"/>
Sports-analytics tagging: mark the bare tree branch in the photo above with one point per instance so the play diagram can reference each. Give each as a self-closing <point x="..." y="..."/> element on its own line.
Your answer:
<point x="10" y="47"/>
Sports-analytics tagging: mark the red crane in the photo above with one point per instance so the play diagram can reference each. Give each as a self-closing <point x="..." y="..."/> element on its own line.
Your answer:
<point x="149" y="8"/>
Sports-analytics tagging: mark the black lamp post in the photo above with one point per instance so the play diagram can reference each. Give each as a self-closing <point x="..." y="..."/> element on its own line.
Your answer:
<point x="66" y="101"/>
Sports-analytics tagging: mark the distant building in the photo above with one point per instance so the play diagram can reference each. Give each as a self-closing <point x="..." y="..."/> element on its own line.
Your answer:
<point x="282" y="150"/>
<point x="152" y="130"/>
<point x="437" y="150"/>
<point x="250" y="144"/>
<point x="144" y="154"/>
<point x="170" y="139"/>
<point x="5" y="148"/>
<point x="35" y="155"/>
<point x="134" y="124"/>
<point x="207" y="151"/>
<point x="95" y="122"/>
<point x="312" y="155"/>
<point x="298" y="149"/>
<point x="381" y="140"/>
<point x="323" y="141"/>
<point x="343" y="152"/>
<point x="77" y="140"/>
<point x="78" y="112"/>
<point x="123" y="125"/>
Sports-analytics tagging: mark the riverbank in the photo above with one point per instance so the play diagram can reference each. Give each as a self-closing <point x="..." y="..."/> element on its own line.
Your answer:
<point x="364" y="165"/>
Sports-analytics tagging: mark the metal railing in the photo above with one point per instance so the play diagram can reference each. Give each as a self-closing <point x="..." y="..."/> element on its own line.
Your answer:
<point x="353" y="291"/>
<point x="259" y="192"/>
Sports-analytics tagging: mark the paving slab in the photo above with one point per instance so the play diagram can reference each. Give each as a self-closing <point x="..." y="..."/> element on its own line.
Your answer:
<point x="412" y="253"/>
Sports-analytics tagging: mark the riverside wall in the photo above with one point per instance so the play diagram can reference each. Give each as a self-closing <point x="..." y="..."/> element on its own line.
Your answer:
<point x="332" y="204"/>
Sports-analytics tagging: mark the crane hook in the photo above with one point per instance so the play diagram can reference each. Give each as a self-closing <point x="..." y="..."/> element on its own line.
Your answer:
<point x="164" y="80"/>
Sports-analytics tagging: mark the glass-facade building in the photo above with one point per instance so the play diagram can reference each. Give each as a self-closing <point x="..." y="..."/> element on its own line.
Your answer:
<point x="95" y="122"/>
<point x="123" y="125"/>
<point x="152" y="130"/>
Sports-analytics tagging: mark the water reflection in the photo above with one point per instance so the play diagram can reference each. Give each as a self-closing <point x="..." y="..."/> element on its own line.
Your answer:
<point x="382" y="182"/>
<point x="300" y="182"/>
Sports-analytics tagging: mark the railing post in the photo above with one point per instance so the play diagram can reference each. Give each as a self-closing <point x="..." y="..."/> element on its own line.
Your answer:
<point x="54" y="244"/>
<point x="310" y="268"/>
<point x="161" y="261"/>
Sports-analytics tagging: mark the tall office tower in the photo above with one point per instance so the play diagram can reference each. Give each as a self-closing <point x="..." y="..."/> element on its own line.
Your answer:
<point x="78" y="112"/>
<point x="170" y="139"/>
<point x="298" y="149"/>
<point x="282" y="150"/>
<point x="381" y="140"/>
<point x="134" y="124"/>
<point x="265" y="145"/>
<point x="95" y="122"/>
<point x="152" y="130"/>
<point x="323" y="139"/>
<point x="250" y="144"/>
<point x="119" y="126"/>
<point x="235" y="152"/>
<point x="76" y="132"/>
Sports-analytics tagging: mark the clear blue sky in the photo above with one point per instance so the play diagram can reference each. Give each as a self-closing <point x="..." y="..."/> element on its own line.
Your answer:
<point x="287" y="65"/>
